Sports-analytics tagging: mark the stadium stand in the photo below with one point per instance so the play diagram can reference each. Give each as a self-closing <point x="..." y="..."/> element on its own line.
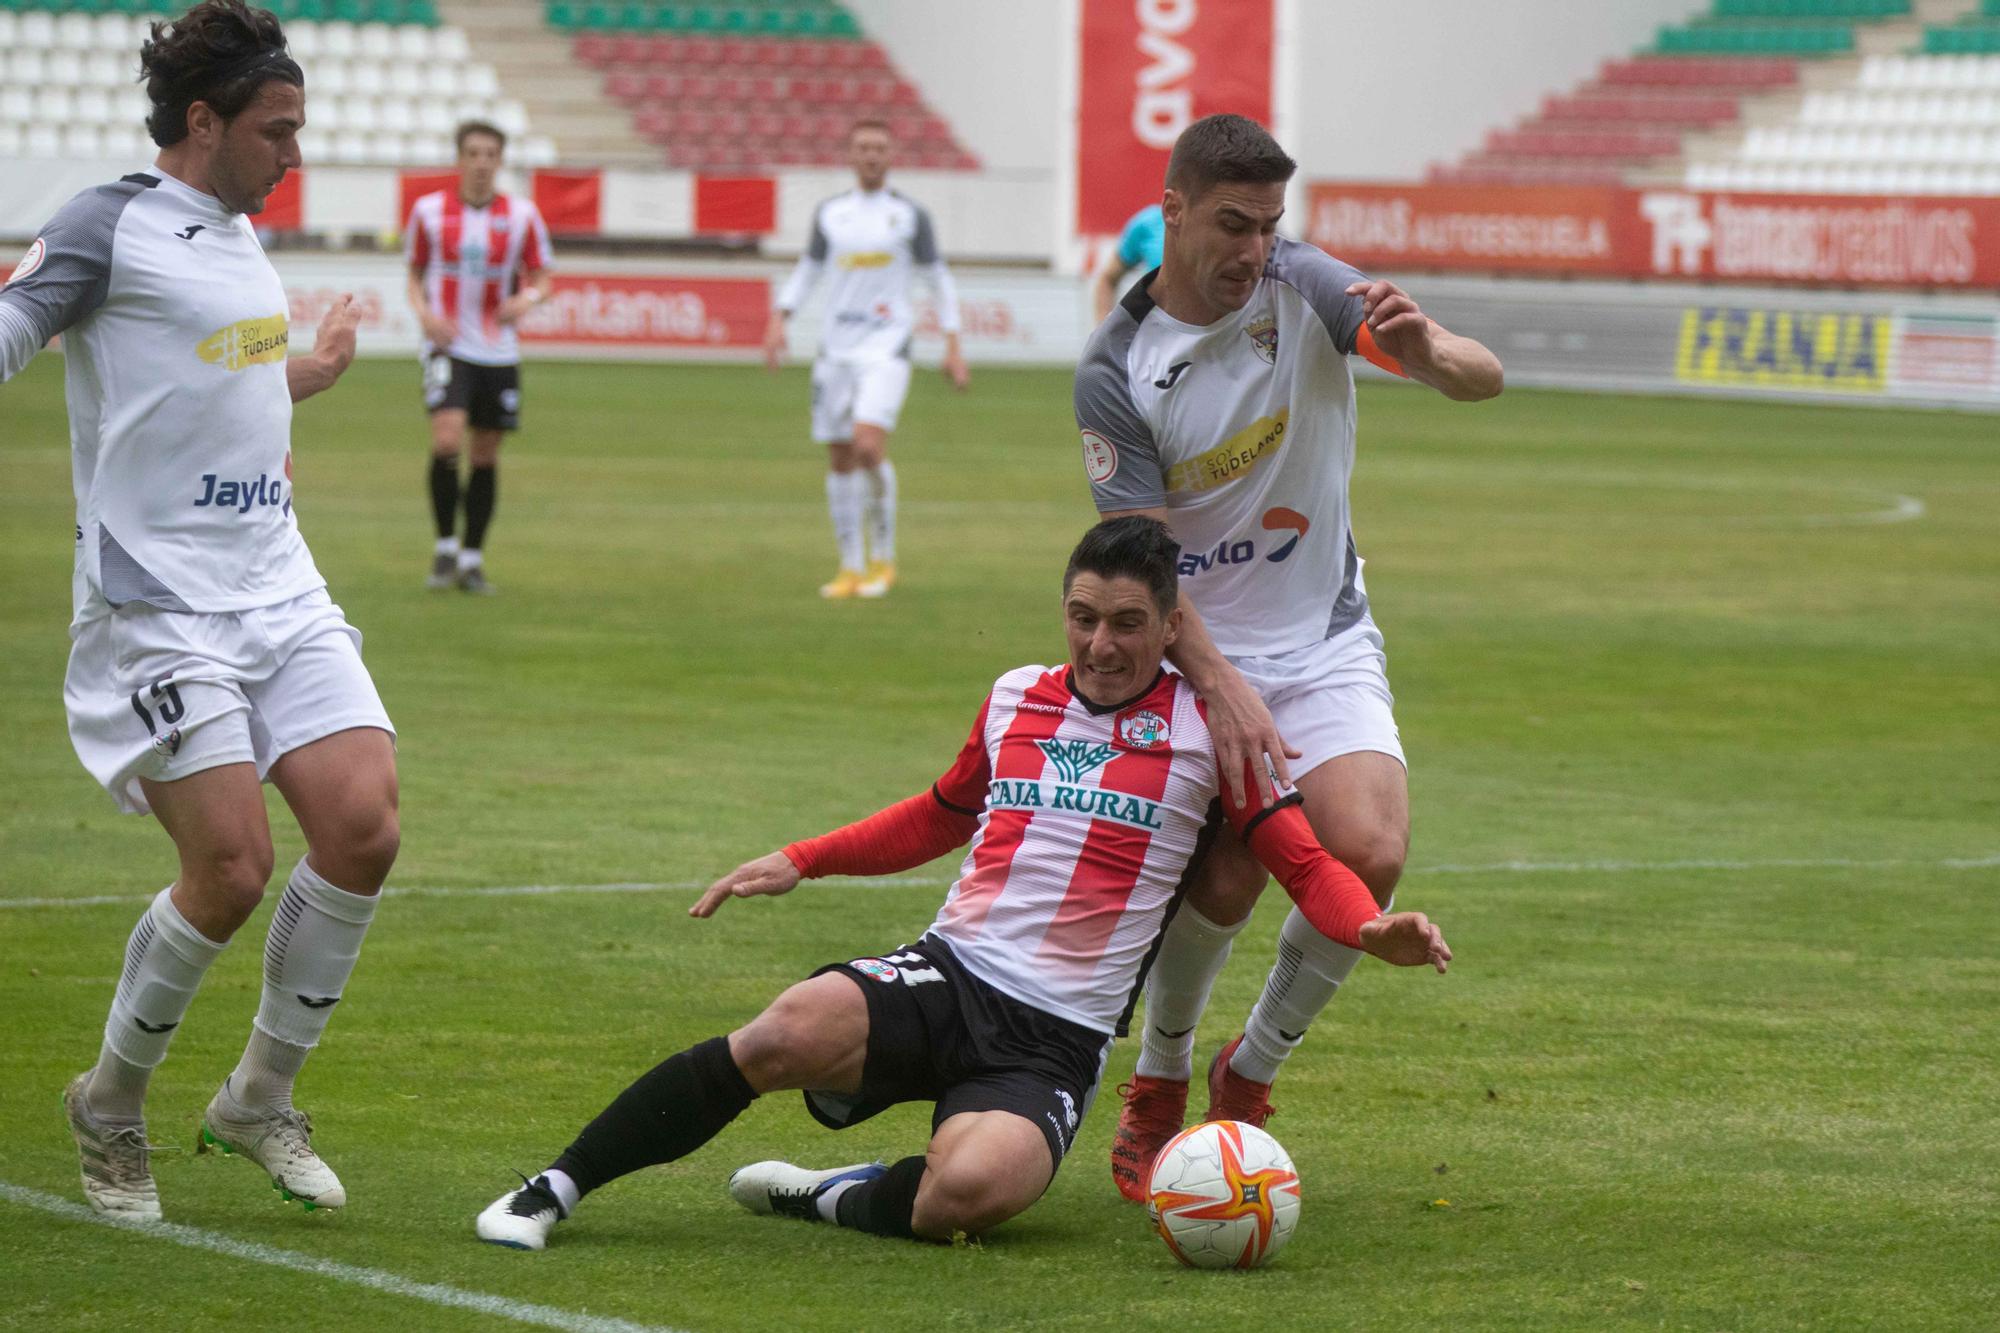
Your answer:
<point x="752" y="87"/>
<point x="388" y="79"/>
<point x="1834" y="96"/>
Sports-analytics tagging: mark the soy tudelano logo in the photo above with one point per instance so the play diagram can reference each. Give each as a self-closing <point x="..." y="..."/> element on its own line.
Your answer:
<point x="247" y="342"/>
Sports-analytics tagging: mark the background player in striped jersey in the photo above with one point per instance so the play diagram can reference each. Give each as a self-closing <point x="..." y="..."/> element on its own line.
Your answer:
<point x="479" y="260"/>
<point x="1218" y="397"/>
<point x="874" y="240"/>
<point x="206" y="654"/>
<point x="1084" y="791"/>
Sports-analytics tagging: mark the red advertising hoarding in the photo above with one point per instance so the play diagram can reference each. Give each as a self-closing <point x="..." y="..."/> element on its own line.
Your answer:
<point x="1837" y="240"/>
<point x="646" y="312"/>
<point x="1148" y="69"/>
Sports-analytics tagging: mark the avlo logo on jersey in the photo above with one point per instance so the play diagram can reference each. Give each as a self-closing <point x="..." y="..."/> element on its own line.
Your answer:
<point x="1243" y="551"/>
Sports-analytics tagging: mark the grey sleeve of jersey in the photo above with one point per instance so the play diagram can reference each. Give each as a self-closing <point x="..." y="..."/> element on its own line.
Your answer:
<point x="68" y="280"/>
<point x="1120" y="455"/>
<point x="816" y="247"/>
<point x="1323" y="281"/>
<point x="923" y="245"/>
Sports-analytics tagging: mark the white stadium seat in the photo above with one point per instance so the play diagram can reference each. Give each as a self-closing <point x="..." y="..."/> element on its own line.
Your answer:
<point x="93" y="107"/>
<point x="302" y="36"/>
<point x="10" y="28"/>
<point x="358" y="113"/>
<point x="435" y="118"/>
<point x="83" y="141"/>
<point x="54" y="106"/>
<point x="76" y="32"/>
<point x="38" y="31"/>
<point x="328" y="78"/>
<point x="350" y="146"/>
<point x="337" y="39"/>
<point x="17" y="105"/>
<point x="25" y="67"/>
<point x="413" y="42"/>
<point x="315" y="144"/>
<point x="42" y="141"/>
<point x="431" y="149"/>
<point x="366" y="77"/>
<point x="375" y="41"/>
<point x="406" y="79"/>
<point x="538" y="151"/>
<point x="450" y="44"/>
<point x="479" y="81"/>
<point x="64" y="67"/>
<point x="511" y="116"/>
<point x="443" y="80"/>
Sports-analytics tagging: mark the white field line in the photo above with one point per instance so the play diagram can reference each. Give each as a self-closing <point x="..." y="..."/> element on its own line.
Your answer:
<point x="433" y="1293"/>
<point x="900" y="882"/>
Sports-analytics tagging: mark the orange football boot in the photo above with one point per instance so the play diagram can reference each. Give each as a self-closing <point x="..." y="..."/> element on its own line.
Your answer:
<point x="1234" y="1097"/>
<point x="1154" y="1110"/>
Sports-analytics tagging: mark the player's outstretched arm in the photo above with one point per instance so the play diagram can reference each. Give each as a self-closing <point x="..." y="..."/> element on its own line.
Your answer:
<point x="1461" y="369"/>
<point x="1332" y="898"/>
<point x="332" y="353"/>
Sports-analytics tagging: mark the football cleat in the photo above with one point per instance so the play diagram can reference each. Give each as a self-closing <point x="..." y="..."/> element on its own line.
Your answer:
<point x="278" y="1141"/>
<point x="845" y="584"/>
<point x="779" y="1189"/>
<point x="444" y="572"/>
<point x="472" y="579"/>
<point x="116" y="1177"/>
<point x="881" y="577"/>
<point x="1234" y="1097"/>
<point x="1154" y="1110"/>
<point x="522" y="1219"/>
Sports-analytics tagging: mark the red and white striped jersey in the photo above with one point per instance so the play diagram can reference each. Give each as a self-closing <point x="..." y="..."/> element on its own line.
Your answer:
<point x="472" y="259"/>
<point x="1087" y="822"/>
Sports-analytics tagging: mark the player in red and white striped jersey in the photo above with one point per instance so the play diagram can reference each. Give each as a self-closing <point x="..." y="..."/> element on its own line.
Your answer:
<point x="479" y="259"/>
<point x="1084" y="791"/>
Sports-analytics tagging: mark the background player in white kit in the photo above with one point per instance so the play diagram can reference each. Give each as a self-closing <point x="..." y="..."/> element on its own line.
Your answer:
<point x="874" y="240"/>
<point x="479" y="260"/>
<point x="1217" y="397"/>
<point x="206" y="653"/>
<point x="1083" y="791"/>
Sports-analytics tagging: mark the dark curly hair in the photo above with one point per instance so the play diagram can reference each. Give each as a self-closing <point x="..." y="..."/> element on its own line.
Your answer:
<point x="220" y="52"/>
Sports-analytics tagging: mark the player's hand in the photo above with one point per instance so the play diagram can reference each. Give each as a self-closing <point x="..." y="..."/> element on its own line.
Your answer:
<point x="440" y="331"/>
<point x="1250" y="755"/>
<point x="774" y="342"/>
<point x="517" y="305"/>
<point x="1407" y="939"/>
<point x="771" y="874"/>
<point x="956" y="370"/>
<point x="1400" y="329"/>
<point x="334" y="343"/>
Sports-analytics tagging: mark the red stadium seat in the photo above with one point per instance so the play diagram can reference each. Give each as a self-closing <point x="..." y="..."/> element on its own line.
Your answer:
<point x="625" y="86"/>
<point x="594" y="49"/>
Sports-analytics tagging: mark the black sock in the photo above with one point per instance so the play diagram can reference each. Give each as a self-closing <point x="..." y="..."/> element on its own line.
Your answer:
<point x="481" y="489"/>
<point x="444" y="495"/>
<point x="883" y="1206"/>
<point x="680" y="1104"/>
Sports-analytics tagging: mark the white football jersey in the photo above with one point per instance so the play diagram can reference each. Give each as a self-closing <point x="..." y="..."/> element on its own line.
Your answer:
<point x="874" y="241"/>
<point x="1243" y="430"/>
<point x="176" y="328"/>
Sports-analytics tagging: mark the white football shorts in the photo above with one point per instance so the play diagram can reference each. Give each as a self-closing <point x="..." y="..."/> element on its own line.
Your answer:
<point x="164" y="694"/>
<point x="1330" y="698"/>
<point x="846" y="392"/>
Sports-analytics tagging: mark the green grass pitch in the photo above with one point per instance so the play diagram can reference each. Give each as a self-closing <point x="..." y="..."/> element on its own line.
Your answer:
<point x="1706" y="756"/>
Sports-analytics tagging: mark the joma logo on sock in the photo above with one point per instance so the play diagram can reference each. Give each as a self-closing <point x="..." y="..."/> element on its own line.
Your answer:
<point x="319" y="1002"/>
<point x="144" y="1026"/>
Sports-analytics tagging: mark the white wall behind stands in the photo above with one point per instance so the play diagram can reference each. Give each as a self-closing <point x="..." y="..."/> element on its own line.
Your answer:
<point x="1386" y="90"/>
<point x="993" y="68"/>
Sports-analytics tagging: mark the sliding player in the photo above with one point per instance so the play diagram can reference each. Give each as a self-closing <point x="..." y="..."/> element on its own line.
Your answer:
<point x="1084" y="791"/>
<point x="1217" y="397"/>
<point x="875" y="240"/>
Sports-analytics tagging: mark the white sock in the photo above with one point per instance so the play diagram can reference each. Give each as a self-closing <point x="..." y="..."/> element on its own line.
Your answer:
<point x="828" y="1202"/>
<point x="882" y="512"/>
<point x="164" y="962"/>
<point x="470" y="558"/>
<point x="1309" y="970"/>
<point x="447" y="546"/>
<point x="563" y="1188"/>
<point x="315" y="937"/>
<point x="1190" y="959"/>
<point x="844" y="491"/>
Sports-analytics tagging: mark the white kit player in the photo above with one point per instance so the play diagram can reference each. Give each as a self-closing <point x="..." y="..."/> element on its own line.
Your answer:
<point x="874" y="240"/>
<point x="1217" y="397"/>
<point x="1084" y="791"/>
<point x="479" y="260"/>
<point x="206" y="655"/>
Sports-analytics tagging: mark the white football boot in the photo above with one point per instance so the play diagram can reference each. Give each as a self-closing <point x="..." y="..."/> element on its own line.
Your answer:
<point x="278" y="1141"/>
<point x="779" y="1189"/>
<point x="116" y="1178"/>
<point x="521" y="1219"/>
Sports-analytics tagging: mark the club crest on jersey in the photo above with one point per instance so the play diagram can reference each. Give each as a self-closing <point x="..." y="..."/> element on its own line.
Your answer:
<point x="29" y="261"/>
<point x="874" y="967"/>
<point x="1076" y="760"/>
<point x="1263" y="336"/>
<point x="1143" y="730"/>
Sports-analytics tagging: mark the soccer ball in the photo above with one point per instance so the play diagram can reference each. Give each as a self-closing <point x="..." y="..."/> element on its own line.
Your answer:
<point x="1224" y="1195"/>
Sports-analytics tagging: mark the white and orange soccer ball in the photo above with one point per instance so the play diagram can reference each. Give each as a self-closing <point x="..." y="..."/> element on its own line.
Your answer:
<point x="1224" y="1195"/>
